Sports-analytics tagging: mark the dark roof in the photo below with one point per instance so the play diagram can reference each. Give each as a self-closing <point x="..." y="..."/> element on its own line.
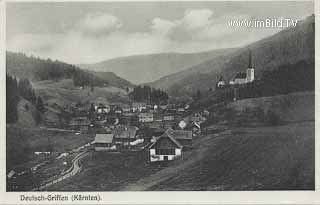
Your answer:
<point x="79" y="121"/>
<point x="168" y="135"/>
<point x="125" y="132"/>
<point x="240" y="75"/>
<point x="180" y="134"/>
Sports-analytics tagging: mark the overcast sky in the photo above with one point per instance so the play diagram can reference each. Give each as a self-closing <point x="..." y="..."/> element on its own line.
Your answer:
<point x="80" y="32"/>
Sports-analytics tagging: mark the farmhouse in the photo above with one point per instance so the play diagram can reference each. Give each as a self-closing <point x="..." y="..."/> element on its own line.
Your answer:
<point x="165" y="148"/>
<point x="145" y="117"/>
<point x="123" y="135"/>
<point x="103" y="142"/>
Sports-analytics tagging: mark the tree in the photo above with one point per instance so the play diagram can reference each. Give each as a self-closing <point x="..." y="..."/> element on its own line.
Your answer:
<point x="12" y="100"/>
<point x="40" y="105"/>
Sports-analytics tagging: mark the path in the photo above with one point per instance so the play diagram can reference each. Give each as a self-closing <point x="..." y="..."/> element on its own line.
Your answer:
<point x="73" y="170"/>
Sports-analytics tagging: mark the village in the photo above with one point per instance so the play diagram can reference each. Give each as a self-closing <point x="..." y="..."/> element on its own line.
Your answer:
<point x="162" y="131"/>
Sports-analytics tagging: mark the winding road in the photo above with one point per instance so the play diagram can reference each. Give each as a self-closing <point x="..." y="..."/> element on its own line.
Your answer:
<point x="73" y="170"/>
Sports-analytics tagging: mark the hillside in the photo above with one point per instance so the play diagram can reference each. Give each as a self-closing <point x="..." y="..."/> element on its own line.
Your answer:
<point x="289" y="46"/>
<point x="64" y="93"/>
<point x="36" y="69"/>
<point x="147" y="68"/>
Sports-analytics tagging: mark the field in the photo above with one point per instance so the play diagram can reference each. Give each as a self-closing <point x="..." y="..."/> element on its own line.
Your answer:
<point x="107" y="172"/>
<point x="23" y="142"/>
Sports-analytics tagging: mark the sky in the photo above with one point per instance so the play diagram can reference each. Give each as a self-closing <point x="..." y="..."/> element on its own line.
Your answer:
<point x="89" y="32"/>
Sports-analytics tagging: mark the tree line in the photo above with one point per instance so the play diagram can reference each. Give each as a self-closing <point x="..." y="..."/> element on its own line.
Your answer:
<point x="34" y="68"/>
<point x="148" y="94"/>
<point x="17" y="89"/>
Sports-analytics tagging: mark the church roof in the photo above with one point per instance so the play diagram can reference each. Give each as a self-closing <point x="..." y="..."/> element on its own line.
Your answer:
<point x="240" y="75"/>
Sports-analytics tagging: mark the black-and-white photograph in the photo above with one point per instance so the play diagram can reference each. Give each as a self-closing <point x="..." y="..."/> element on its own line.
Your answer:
<point x="160" y="96"/>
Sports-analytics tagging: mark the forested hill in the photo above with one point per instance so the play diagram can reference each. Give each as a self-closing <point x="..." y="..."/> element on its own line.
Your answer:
<point x="288" y="47"/>
<point x="36" y="69"/>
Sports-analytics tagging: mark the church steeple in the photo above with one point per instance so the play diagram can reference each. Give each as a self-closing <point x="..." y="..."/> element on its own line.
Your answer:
<point x="250" y="59"/>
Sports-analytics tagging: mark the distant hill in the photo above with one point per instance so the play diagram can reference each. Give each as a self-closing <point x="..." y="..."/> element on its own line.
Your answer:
<point x="147" y="68"/>
<point x="286" y="47"/>
<point x="36" y="69"/>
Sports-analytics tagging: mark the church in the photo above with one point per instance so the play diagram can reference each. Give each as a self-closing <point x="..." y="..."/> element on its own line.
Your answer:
<point x="243" y="78"/>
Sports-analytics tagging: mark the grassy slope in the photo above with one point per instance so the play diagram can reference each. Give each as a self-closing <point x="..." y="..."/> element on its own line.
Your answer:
<point x="63" y="92"/>
<point x="23" y="142"/>
<point x="293" y="107"/>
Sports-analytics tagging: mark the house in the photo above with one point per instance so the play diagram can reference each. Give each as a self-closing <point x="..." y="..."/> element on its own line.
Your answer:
<point x="154" y="125"/>
<point x="169" y="124"/>
<point x="165" y="148"/>
<point x="138" y="106"/>
<point x="163" y="107"/>
<point x="145" y="117"/>
<point x="184" y="137"/>
<point x="168" y="117"/>
<point x="157" y="117"/>
<point x="126" y="108"/>
<point x="123" y="135"/>
<point x="80" y="123"/>
<point x="103" y="142"/>
<point x="102" y="109"/>
<point x="180" y="109"/>
<point x="195" y="127"/>
<point x="118" y="110"/>
<point x="221" y="83"/>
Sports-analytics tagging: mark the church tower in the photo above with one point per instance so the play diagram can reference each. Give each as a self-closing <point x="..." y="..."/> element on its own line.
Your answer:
<point x="250" y="70"/>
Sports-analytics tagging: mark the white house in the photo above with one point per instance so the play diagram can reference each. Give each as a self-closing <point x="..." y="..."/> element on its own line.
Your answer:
<point x="165" y="148"/>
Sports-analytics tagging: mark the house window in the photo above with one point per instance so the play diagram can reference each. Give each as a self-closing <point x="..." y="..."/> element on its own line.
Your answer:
<point x="165" y="151"/>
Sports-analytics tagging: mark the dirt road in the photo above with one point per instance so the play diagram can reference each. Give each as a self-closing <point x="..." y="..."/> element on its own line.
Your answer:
<point x="72" y="171"/>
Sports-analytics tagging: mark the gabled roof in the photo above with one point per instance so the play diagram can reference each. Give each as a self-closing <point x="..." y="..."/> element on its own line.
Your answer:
<point x="126" y="132"/>
<point x="103" y="138"/>
<point x="168" y="135"/>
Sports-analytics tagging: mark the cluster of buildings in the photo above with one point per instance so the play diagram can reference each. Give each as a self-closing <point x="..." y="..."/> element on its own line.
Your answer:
<point x="163" y="132"/>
